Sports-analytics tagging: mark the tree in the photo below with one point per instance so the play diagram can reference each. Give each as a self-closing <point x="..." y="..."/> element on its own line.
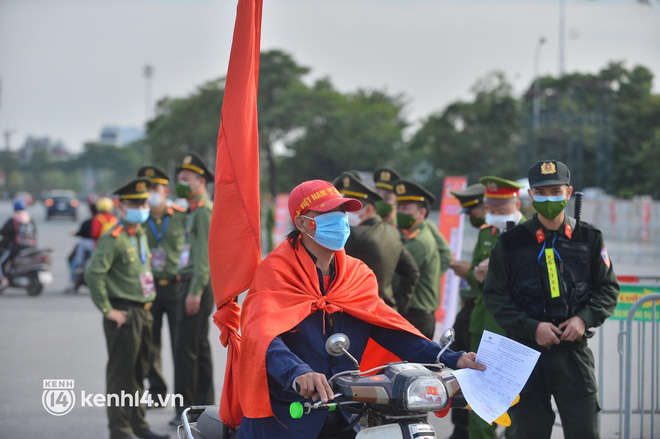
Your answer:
<point x="359" y="130"/>
<point x="474" y="138"/>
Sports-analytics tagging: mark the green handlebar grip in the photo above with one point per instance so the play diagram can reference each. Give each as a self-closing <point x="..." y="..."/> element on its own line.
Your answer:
<point x="296" y="410"/>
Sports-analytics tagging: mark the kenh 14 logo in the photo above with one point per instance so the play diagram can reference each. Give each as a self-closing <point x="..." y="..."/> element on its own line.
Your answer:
<point x="58" y="398"/>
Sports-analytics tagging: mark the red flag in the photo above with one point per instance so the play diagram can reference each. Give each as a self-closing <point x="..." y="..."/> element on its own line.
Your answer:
<point x="234" y="240"/>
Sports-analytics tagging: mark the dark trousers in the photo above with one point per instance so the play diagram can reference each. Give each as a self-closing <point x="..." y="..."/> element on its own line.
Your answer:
<point x="165" y="304"/>
<point x="193" y="367"/>
<point x="424" y="321"/>
<point x="129" y="356"/>
<point x="459" y="417"/>
<point x="568" y="375"/>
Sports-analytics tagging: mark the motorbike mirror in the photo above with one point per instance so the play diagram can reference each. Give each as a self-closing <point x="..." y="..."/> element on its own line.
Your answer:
<point x="447" y="337"/>
<point x="337" y="344"/>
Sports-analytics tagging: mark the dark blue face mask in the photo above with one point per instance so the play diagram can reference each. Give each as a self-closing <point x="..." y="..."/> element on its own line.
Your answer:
<point x="332" y="230"/>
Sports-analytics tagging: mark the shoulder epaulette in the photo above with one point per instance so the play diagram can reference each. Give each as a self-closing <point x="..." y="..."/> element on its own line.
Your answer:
<point x="201" y="203"/>
<point x="485" y="226"/>
<point x="117" y="231"/>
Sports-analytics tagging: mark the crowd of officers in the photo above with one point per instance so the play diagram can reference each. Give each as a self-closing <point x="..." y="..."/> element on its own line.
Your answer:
<point x="154" y="263"/>
<point x="544" y="285"/>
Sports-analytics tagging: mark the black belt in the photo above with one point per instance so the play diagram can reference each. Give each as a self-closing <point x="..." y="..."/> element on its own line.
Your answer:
<point x="467" y="303"/>
<point x="186" y="277"/>
<point x="165" y="281"/>
<point x="125" y="303"/>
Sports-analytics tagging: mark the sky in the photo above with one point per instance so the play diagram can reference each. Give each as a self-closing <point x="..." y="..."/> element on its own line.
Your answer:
<point x="69" y="67"/>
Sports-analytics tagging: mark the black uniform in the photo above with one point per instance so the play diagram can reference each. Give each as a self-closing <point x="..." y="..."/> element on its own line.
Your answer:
<point x="537" y="275"/>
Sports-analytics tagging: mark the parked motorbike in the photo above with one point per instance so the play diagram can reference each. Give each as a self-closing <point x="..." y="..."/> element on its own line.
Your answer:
<point x="388" y="402"/>
<point x="29" y="269"/>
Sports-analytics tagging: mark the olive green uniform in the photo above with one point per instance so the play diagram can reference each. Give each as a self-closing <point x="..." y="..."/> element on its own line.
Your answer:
<point x="565" y="370"/>
<point x="113" y="277"/>
<point x="173" y="224"/>
<point x="480" y="318"/>
<point x="380" y="247"/>
<point x="443" y="246"/>
<point x="421" y="244"/>
<point x="193" y="367"/>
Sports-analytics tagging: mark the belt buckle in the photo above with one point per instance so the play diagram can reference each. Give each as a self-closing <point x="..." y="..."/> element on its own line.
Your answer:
<point x="163" y="282"/>
<point x="147" y="306"/>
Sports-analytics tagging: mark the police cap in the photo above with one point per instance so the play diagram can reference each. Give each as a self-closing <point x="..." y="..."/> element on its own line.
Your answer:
<point x="154" y="174"/>
<point x="193" y="162"/>
<point x="470" y="197"/>
<point x="137" y="189"/>
<point x="408" y="191"/>
<point x="548" y="173"/>
<point x="499" y="190"/>
<point x="385" y="178"/>
<point x="350" y="185"/>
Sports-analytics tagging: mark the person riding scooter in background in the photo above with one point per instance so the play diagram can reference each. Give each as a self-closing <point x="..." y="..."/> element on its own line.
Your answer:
<point x="83" y="248"/>
<point x="17" y="233"/>
<point x="104" y="220"/>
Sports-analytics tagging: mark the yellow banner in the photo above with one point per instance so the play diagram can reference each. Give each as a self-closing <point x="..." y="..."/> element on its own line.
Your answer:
<point x="552" y="273"/>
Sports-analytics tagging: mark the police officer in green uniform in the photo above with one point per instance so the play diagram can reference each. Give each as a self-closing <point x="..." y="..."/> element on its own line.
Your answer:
<point x="550" y="280"/>
<point x="165" y="229"/>
<point x="377" y="244"/>
<point x="502" y="204"/>
<point x="471" y="200"/>
<point x="122" y="287"/>
<point x="413" y="204"/>
<point x="384" y="179"/>
<point x="193" y="368"/>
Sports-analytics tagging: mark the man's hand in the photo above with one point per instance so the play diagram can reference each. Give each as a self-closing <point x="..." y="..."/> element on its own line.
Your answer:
<point x="117" y="316"/>
<point x="481" y="270"/>
<point x="460" y="267"/>
<point x="546" y="334"/>
<point x="572" y="328"/>
<point x="467" y="361"/>
<point x="192" y="304"/>
<point x="314" y="385"/>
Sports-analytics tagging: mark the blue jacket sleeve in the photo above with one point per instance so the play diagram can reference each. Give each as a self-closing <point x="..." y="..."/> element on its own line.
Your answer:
<point x="412" y="348"/>
<point x="283" y="365"/>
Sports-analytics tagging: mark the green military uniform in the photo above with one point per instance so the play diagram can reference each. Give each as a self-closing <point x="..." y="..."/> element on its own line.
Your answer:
<point x="572" y="278"/>
<point x="166" y="237"/>
<point x="442" y="244"/>
<point x="379" y="246"/>
<point x="114" y="276"/>
<point x="497" y="190"/>
<point x="421" y="244"/>
<point x="469" y="198"/>
<point x="193" y="366"/>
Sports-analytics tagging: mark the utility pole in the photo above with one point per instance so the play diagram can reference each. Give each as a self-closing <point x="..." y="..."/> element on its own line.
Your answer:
<point x="536" y="105"/>
<point x="562" y="37"/>
<point x="148" y="74"/>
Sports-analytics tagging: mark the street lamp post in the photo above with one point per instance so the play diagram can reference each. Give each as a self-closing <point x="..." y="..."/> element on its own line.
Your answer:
<point x="148" y="74"/>
<point x="536" y="105"/>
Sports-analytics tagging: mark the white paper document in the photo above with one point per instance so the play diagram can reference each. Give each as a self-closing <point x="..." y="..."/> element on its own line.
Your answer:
<point x="508" y="366"/>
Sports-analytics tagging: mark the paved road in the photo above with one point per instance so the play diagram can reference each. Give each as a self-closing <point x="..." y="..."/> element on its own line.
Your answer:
<point x="58" y="336"/>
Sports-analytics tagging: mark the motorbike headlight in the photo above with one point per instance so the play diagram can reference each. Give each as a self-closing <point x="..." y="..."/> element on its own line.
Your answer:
<point x="426" y="394"/>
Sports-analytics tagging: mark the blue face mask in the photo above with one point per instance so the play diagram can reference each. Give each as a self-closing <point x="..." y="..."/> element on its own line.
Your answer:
<point x="136" y="216"/>
<point x="332" y="230"/>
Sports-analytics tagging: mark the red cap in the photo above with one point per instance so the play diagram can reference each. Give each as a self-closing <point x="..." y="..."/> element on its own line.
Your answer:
<point x="319" y="196"/>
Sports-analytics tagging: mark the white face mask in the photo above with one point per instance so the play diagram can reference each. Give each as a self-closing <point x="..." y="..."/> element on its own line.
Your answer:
<point x="500" y="221"/>
<point x="154" y="199"/>
<point x="354" y="219"/>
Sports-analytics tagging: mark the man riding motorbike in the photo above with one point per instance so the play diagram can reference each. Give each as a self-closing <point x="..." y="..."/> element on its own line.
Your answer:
<point x="17" y="233"/>
<point x="304" y="291"/>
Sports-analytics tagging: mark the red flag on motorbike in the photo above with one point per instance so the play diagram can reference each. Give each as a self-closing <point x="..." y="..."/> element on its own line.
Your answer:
<point x="234" y="240"/>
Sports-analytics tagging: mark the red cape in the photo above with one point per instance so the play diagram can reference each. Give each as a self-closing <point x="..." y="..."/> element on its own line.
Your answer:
<point x="284" y="291"/>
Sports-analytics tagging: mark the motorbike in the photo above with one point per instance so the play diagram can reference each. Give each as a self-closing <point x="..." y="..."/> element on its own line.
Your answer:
<point x="391" y="401"/>
<point x="79" y="271"/>
<point x="29" y="269"/>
